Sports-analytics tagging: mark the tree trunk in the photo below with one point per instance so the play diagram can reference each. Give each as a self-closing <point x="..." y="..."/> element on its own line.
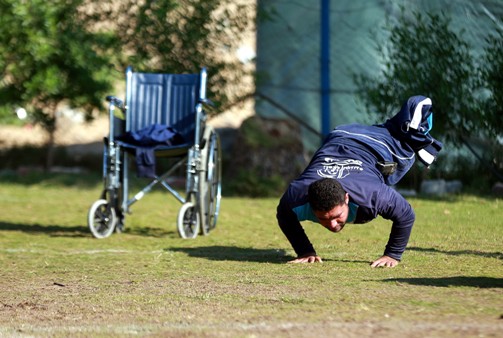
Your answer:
<point x="50" y="125"/>
<point x="50" y="150"/>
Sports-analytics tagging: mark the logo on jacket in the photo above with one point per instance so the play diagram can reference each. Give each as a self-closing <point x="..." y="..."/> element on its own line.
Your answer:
<point x="336" y="168"/>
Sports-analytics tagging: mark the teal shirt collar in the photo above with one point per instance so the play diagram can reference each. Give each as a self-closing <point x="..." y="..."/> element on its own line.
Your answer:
<point x="353" y="208"/>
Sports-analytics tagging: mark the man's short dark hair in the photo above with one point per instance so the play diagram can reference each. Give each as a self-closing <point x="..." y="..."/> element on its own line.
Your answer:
<point x="325" y="194"/>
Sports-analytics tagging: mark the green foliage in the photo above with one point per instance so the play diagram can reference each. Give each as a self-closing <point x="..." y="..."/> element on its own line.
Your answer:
<point x="424" y="56"/>
<point x="48" y="57"/>
<point x="492" y="79"/>
<point x="67" y="52"/>
<point x="491" y="108"/>
<point x="181" y="36"/>
<point x="8" y="116"/>
<point x="48" y="53"/>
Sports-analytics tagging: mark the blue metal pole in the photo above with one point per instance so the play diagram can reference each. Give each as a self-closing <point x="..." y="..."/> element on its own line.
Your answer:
<point x="325" y="67"/>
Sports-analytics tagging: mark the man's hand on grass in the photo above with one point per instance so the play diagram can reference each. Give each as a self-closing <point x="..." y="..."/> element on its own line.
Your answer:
<point x="307" y="258"/>
<point x="384" y="261"/>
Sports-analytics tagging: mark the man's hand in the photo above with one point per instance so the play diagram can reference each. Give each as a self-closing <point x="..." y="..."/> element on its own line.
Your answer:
<point x="307" y="258"/>
<point x="384" y="261"/>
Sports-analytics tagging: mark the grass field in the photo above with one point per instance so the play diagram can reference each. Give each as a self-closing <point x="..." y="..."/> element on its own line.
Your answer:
<point x="56" y="280"/>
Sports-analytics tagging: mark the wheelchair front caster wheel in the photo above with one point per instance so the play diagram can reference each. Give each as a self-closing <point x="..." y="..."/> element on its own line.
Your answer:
<point x="101" y="219"/>
<point x="188" y="221"/>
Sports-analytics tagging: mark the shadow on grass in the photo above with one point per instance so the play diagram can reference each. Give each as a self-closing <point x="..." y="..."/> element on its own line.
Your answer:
<point x="152" y="232"/>
<point x="81" y="231"/>
<point x="234" y="253"/>
<point x="51" y="230"/>
<point x="478" y="282"/>
<point x="497" y="255"/>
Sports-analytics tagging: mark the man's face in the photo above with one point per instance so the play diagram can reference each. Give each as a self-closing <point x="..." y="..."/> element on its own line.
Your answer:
<point x="334" y="219"/>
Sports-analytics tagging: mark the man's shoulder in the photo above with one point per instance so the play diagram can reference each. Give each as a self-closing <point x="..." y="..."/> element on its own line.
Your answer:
<point x="296" y="193"/>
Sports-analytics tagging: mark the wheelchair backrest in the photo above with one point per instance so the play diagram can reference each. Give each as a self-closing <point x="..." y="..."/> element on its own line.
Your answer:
<point x="168" y="99"/>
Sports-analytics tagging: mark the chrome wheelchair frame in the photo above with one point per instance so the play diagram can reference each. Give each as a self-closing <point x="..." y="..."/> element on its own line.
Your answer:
<point x="166" y="102"/>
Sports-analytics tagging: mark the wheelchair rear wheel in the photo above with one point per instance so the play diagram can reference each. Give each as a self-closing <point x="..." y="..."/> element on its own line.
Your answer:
<point x="101" y="219"/>
<point x="210" y="187"/>
<point x="188" y="221"/>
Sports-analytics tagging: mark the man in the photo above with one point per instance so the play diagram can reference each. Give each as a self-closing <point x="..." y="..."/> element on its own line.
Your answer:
<point x="348" y="180"/>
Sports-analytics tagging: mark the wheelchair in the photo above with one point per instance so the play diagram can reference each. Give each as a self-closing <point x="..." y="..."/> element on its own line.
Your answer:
<point x="177" y="101"/>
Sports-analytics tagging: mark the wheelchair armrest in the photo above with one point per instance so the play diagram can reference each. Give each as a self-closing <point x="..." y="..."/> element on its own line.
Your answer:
<point x="116" y="102"/>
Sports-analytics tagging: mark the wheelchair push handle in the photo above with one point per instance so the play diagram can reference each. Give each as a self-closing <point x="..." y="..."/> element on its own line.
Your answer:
<point x="116" y="102"/>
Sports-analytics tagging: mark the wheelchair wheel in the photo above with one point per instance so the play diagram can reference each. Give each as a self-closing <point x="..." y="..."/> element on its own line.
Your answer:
<point x="188" y="221"/>
<point x="101" y="219"/>
<point x="210" y="186"/>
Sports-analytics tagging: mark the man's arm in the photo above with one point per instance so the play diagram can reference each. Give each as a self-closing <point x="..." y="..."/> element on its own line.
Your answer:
<point x="394" y="207"/>
<point x="291" y="227"/>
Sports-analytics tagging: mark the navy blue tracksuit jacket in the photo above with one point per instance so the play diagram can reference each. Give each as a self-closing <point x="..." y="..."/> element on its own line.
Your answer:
<point x="350" y="154"/>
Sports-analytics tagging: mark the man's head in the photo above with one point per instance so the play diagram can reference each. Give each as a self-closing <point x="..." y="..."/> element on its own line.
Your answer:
<point x="329" y="202"/>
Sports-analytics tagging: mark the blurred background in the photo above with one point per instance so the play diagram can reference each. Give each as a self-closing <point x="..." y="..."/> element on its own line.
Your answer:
<point x="281" y="73"/>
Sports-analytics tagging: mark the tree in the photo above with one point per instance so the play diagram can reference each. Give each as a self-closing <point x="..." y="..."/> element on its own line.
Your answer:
<point x="425" y="56"/>
<point x="48" y="58"/>
<point x="491" y="107"/>
<point x="178" y="36"/>
<point x="70" y="51"/>
<point x="491" y="70"/>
